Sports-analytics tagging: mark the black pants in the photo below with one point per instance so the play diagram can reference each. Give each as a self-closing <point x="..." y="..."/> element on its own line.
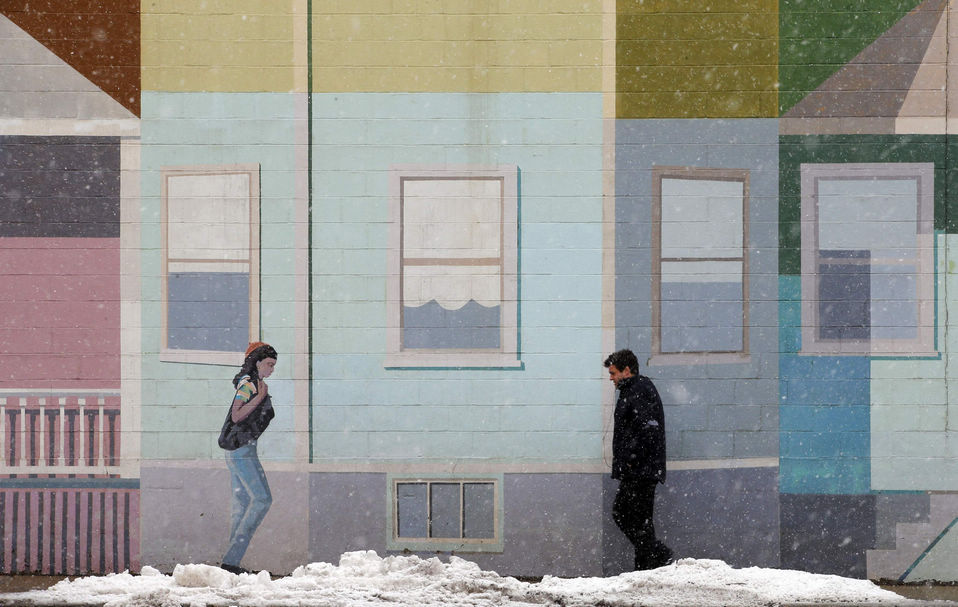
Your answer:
<point x="632" y="512"/>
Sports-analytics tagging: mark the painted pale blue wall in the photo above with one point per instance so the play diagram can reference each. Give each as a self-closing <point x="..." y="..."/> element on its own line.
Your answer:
<point x="714" y="410"/>
<point x="184" y="404"/>
<point x="549" y="410"/>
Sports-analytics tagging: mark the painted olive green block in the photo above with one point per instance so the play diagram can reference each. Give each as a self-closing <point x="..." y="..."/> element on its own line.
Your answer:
<point x="661" y="48"/>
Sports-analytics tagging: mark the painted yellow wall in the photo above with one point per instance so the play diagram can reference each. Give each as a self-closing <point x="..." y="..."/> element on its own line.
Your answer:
<point x="457" y="45"/>
<point x="223" y="45"/>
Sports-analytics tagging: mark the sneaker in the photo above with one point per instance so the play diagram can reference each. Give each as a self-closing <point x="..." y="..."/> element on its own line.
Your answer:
<point x="233" y="569"/>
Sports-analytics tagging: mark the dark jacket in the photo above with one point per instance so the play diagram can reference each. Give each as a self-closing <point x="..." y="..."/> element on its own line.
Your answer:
<point x="638" y="437"/>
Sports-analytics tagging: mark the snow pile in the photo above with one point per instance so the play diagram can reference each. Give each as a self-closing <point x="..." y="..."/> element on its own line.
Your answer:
<point x="364" y="579"/>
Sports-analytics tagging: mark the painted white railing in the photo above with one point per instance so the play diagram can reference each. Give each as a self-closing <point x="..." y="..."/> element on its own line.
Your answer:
<point x="76" y="433"/>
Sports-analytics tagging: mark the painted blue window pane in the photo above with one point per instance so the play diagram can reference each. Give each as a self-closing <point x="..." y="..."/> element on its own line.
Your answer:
<point x="472" y="326"/>
<point x="844" y="295"/>
<point x="445" y="509"/>
<point x="478" y="510"/>
<point x="412" y="511"/>
<point x="701" y="317"/>
<point x="208" y="311"/>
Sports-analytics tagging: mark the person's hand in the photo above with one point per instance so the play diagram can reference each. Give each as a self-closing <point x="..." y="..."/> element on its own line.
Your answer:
<point x="262" y="388"/>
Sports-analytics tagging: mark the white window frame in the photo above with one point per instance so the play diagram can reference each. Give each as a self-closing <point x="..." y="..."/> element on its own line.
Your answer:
<point x="507" y="354"/>
<point x="924" y="343"/>
<point x="460" y="544"/>
<point x="215" y="357"/>
<point x="658" y="357"/>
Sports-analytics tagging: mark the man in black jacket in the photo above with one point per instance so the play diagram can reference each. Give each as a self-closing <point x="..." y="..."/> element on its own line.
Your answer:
<point x="638" y="457"/>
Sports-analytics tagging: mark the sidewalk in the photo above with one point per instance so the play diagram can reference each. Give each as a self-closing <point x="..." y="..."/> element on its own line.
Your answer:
<point x="932" y="595"/>
<point x="926" y="592"/>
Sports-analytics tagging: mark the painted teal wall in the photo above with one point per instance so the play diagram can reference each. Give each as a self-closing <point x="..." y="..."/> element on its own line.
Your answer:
<point x="184" y="404"/>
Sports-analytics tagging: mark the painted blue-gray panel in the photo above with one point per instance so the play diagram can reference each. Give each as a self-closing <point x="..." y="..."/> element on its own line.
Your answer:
<point x="473" y="326"/>
<point x="444" y="509"/>
<point x="478" y="510"/>
<point x="844" y="296"/>
<point x="347" y="513"/>
<point x="413" y="515"/>
<point x="730" y="514"/>
<point x="702" y="317"/>
<point x="208" y="311"/>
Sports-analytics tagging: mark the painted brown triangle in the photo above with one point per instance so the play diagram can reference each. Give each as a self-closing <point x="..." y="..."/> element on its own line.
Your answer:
<point x="100" y="39"/>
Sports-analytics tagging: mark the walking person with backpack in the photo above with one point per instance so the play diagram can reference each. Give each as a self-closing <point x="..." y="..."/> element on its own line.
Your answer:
<point x="249" y="414"/>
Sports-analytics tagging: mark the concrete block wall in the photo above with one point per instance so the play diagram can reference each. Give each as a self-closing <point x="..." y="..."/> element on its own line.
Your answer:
<point x="812" y="457"/>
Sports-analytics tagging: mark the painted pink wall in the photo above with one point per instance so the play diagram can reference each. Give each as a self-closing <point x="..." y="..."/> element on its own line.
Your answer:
<point x="60" y="313"/>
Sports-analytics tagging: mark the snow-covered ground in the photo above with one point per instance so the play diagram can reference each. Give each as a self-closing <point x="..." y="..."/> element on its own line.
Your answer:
<point x="365" y="579"/>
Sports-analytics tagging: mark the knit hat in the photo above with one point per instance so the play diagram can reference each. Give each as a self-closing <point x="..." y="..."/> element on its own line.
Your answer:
<point x="255" y="345"/>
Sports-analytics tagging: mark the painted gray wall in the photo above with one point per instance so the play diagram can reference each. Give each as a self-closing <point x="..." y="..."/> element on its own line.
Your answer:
<point x="714" y="410"/>
<point x="185" y="512"/>
<point x="730" y="514"/>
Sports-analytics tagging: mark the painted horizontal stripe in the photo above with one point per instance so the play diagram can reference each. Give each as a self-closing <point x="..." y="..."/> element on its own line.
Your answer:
<point x="485" y="467"/>
<point x="70" y="127"/>
<point x="70" y="483"/>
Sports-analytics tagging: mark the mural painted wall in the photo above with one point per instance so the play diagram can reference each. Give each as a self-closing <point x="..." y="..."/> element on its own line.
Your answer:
<point x="69" y="482"/>
<point x="443" y="217"/>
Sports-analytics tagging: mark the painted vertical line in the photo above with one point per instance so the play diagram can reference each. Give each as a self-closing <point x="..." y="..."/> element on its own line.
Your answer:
<point x="14" y="535"/>
<point x="27" y="526"/>
<point x="102" y="533"/>
<point x="76" y="532"/>
<point x="608" y="338"/>
<point x="3" y="531"/>
<point x="64" y="530"/>
<point x="52" y="540"/>
<point x="309" y="227"/>
<point x="41" y="528"/>
<point x="946" y="223"/>
<point x="128" y="529"/>
<point x="88" y="553"/>
<point x="114" y="544"/>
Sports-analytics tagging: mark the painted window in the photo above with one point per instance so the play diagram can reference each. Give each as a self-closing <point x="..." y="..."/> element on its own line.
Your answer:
<point x="453" y="255"/>
<point x="700" y="265"/>
<point x="440" y="512"/>
<point x="211" y="262"/>
<point x="867" y="258"/>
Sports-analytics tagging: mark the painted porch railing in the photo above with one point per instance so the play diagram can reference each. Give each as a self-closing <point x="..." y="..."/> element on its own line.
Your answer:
<point x="63" y="507"/>
<point x="77" y="434"/>
<point x="69" y="526"/>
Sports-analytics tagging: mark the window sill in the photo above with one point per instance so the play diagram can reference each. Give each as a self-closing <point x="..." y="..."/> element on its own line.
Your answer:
<point x="458" y="546"/>
<point x="202" y="357"/>
<point x="699" y="358"/>
<point x="452" y="359"/>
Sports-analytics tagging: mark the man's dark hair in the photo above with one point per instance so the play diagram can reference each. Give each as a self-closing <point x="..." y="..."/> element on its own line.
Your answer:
<point x="622" y="359"/>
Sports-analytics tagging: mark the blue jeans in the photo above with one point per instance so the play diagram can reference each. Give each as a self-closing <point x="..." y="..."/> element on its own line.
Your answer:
<point x="251" y="500"/>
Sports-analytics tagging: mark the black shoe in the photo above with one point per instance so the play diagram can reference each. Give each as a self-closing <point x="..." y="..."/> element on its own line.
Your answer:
<point x="234" y="569"/>
<point x="665" y="558"/>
